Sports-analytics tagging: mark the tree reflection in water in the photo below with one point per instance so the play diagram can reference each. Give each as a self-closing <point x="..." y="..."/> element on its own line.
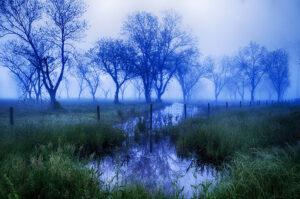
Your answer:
<point x="159" y="168"/>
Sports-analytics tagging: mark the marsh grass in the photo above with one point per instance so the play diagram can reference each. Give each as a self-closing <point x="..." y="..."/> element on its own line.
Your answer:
<point x="222" y="135"/>
<point x="262" y="173"/>
<point x="86" y="137"/>
<point x="258" y="150"/>
<point x="44" y="155"/>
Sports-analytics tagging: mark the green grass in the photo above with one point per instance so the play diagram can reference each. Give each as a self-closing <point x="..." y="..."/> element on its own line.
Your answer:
<point x="58" y="172"/>
<point x="222" y="135"/>
<point x="45" y="153"/>
<point x="268" y="173"/>
<point x="258" y="151"/>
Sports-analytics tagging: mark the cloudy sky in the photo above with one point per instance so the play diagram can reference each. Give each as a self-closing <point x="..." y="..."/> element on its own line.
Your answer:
<point x="221" y="27"/>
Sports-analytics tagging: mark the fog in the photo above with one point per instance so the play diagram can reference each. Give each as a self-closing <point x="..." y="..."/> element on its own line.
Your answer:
<point x="220" y="27"/>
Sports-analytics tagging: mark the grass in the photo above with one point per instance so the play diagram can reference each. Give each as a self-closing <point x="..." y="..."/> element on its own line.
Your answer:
<point x="271" y="173"/>
<point x="73" y="112"/>
<point x="45" y="154"/>
<point x="257" y="149"/>
<point x="222" y="135"/>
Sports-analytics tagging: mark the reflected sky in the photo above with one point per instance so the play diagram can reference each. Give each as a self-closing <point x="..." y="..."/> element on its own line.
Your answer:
<point x="160" y="167"/>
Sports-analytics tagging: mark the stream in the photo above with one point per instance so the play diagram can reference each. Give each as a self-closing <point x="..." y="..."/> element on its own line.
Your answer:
<point x="154" y="163"/>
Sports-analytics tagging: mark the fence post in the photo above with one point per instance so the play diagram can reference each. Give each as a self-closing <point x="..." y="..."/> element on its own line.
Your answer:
<point x="250" y="104"/>
<point x="240" y="103"/>
<point x="184" y="111"/>
<point x="150" y="128"/>
<point x="98" y="113"/>
<point x="226" y="105"/>
<point x="150" y="116"/>
<point x="11" y="115"/>
<point x="208" y="110"/>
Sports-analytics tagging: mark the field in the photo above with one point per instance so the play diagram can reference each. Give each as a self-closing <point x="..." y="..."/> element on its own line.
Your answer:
<point x="254" y="152"/>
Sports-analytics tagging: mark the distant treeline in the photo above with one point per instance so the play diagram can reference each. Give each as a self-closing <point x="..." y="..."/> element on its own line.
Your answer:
<point x="39" y="50"/>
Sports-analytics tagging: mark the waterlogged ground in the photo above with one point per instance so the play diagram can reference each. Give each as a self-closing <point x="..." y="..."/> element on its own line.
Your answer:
<point x="152" y="161"/>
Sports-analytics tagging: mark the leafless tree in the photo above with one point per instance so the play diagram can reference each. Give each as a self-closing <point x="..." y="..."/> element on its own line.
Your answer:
<point x="138" y="87"/>
<point x="189" y="71"/>
<point x="26" y="75"/>
<point x="277" y="65"/>
<point x="170" y="41"/>
<point x="115" y="58"/>
<point x="219" y="74"/>
<point x="48" y="47"/>
<point x="141" y="28"/>
<point x="252" y="62"/>
<point x="123" y="88"/>
<point x="105" y="92"/>
<point x="89" y="71"/>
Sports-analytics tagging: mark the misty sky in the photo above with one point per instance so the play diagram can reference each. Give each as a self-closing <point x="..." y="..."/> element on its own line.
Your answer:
<point x="220" y="26"/>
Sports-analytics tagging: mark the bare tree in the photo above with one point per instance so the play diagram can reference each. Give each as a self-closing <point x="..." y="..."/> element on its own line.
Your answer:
<point x="47" y="46"/>
<point x="170" y="41"/>
<point x="27" y="76"/>
<point x="115" y="58"/>
<point x="123" y="88"/>
<point x="105" y="92"/>
<point x="219" y="74"/>
<point x="251" y="61"/>
<point x="138" y="85"/>
<point x="189" y="71"/>
<point x="89" y="71"/>
<point x="277" y="66"/>
<point x="142" y="31"/>
<point x="65" y="28"/>
<point x="67" y="86"/>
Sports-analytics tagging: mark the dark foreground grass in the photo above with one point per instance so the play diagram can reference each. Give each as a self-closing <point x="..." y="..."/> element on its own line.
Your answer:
<point x="87" y="138"/>
<point x="269" y="173"/>
<point x="258" y="149"/>
<point x="44" y="155"/>
<point x="57" y="172"/>
<point x="222" y="135"/>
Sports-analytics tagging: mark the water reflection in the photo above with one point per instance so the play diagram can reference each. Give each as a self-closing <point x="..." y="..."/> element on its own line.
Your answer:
<point x="159" y="167"/>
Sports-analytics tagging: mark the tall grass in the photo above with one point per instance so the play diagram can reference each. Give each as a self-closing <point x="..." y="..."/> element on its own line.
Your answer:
<point x="45" y="153"/>
<point x="86" y="137"/>
<point x="228" y="132"/>
<point x="268" y="173"/>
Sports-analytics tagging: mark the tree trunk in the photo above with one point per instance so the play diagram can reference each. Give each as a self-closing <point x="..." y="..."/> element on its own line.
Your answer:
<point x="252" y="95"/>
<point x="147" y="96"/>
<point x="53" y="103"/>
<point x="278" y="96"/>
<point x="159" y="97"/>
<point x="116" y="100"/>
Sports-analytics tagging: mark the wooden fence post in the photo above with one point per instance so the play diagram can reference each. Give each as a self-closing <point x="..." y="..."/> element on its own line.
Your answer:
<point x="208" y="110"/>
<point x="184" y="111"/>
<point x="98" y="113"/>
<point x="240" y="103"/>
<point x="11" y="116"/>
<point x="150" y="117"/>
<point x="150" y="126"/>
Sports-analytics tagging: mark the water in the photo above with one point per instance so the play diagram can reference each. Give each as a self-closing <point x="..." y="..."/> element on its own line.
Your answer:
<point x="155" y="162"/>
